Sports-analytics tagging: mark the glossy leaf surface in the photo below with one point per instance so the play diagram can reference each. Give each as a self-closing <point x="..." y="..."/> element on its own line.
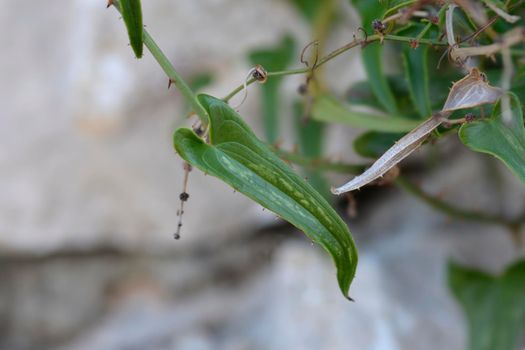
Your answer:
<point x="502" y="136"/>
<point x="237" y="157"/>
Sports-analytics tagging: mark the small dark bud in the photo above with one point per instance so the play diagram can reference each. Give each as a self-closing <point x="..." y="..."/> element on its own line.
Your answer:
<point x="378" y="26"/>
<point x="470" y="117"/>
<point x="260" y="74"/>
<point x="184" y="196"/>
<point x="303" y="89"/>
<point x="414" y="44"/>
<point x="176" y="236"/>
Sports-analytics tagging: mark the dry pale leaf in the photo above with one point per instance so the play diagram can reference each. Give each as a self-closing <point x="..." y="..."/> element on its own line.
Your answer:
<point x="471" y="91"/>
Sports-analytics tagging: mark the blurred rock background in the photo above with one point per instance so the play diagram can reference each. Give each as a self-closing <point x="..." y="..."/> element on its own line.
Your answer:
<point x="90" y="186"/>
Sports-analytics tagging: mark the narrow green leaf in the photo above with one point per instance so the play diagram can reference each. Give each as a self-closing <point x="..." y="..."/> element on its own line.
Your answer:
<point x="273" y="59"/>
<point x="372" y="53"/>
<point x="416" y="71"/>
<point x="373" y="144"/>
<point x="132" y="14"/>
<point x="502" y="136"/>
<point x="328" y="109"/>
<point x="494" y="305"/>
<point x="238" y="158"/>
<point x="310" y="136"/>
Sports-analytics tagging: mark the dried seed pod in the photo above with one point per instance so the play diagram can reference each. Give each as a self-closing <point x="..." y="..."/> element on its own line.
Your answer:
<point x="471" y="91"/>
<point x="402" y="148"/>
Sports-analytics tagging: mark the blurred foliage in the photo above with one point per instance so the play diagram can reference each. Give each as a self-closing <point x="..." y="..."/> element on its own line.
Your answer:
<point x="494" y="305"/>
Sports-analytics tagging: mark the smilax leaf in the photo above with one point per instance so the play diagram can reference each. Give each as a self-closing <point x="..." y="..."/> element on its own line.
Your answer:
<point x="132" y="14"/>
<point x="502" y="136"/>
<point x="237" y="157"/>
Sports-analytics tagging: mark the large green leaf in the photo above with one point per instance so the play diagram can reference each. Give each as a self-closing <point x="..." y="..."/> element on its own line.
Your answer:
<point x="502" y="136"/>
<point x="237" y="157"/>
<point x="328" y="109"/>
<point x="494" y="305"/>
<point x="273" y="59"/>
<point x="131" y="11"/>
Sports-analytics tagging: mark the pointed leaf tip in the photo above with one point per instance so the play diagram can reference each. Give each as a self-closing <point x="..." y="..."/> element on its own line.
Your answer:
<point x="132" y="14"/>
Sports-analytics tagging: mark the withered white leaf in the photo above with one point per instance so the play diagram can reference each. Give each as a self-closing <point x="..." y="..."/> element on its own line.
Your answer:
<point x="402" y="148"/>
<point x="471" y="91"/>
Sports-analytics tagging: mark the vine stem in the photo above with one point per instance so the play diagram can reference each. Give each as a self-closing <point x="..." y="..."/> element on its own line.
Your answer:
<point x="171" y="72"/>
<point x="448" y="209"/>
<point x="335" y="53"/>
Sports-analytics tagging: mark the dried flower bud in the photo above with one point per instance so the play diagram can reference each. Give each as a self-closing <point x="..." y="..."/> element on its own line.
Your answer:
<point x="378" y="26"/>
<point x="260" y="74"/>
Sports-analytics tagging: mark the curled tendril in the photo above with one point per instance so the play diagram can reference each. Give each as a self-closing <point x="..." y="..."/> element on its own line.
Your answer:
<point x="257" y="73"/>
<point x="314" y="43"/>
<point x="364" y="41"/>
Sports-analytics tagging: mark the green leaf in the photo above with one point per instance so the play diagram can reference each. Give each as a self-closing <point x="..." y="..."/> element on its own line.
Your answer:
<point x="308" y="8"/>
<point x="273" y="59"/>
<point x="238" y="158"/>
<point x="372" y="53"/>
<point x="497" y="136"/>
<point x="494" y="305"/>
<point x="328" y="109"/>
<point x="373" y="144"/>
<point x="132" y="14"/>
<point x="310" y="135"/>
<point x="416" y="71"/>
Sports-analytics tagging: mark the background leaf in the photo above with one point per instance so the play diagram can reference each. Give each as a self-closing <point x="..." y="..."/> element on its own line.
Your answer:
<point x="416" y="72"/>
<point x="328" y="109"/>
<point x="494" y="306"/>
<point x="238" y="158"/>
<point x="504" y="139"/>
<point x="310" y="139"/>
<point x="373" y="144"/>
<point x="273" y="59"/>
<point x="132" y="14"/>
<point x="372" y="53"/>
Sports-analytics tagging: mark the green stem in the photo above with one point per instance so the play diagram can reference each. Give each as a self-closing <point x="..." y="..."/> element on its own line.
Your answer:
<point x="335" y="53"/>
<point x="172" y="73"/>
<point x="455" y="212"/>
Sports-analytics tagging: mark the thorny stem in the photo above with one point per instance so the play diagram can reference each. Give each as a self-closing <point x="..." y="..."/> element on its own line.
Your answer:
<point x="171" y="72"/>
<point x="448" y="209"/>
<point x="335" y="53"/>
